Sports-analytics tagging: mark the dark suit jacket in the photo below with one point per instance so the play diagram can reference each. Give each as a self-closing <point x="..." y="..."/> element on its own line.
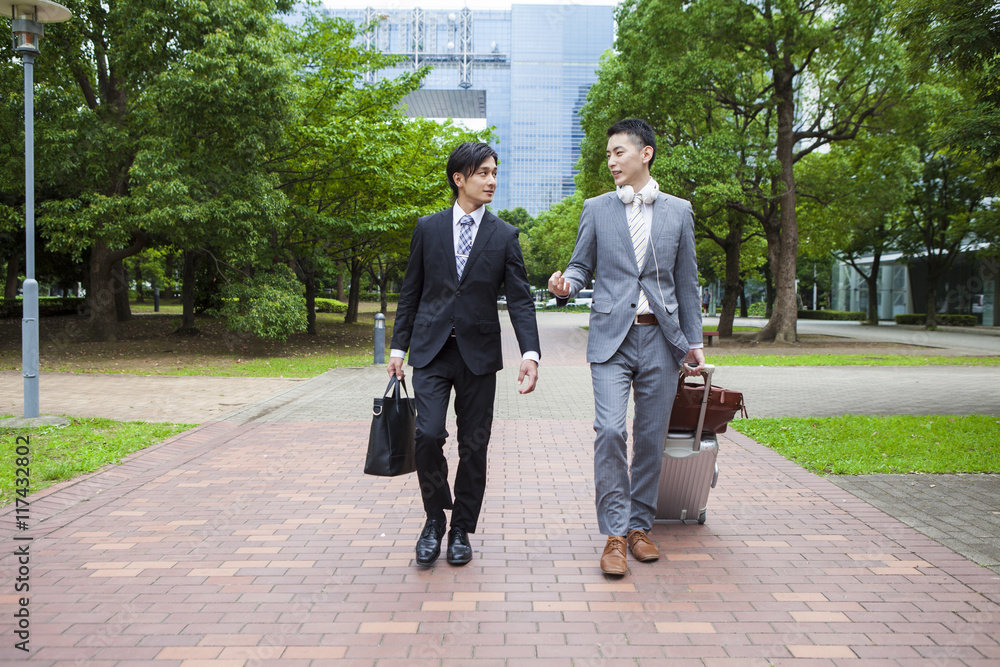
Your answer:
<point x="432" y="300"/>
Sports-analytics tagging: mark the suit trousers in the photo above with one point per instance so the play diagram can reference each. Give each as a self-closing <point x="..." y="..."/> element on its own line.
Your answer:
<point x="474" y="397"/>
<point x="626" y="498"/>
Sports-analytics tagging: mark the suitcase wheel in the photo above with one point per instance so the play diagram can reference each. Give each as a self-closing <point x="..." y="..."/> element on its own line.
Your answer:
<point x="701" y="516"/>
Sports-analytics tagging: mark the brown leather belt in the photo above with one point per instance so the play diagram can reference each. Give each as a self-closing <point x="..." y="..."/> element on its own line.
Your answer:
<point x="645" y="318"/>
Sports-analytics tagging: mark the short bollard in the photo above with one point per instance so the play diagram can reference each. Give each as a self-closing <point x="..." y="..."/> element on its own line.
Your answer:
<point x="379" y="339"/>
<point x="156" y="299"/>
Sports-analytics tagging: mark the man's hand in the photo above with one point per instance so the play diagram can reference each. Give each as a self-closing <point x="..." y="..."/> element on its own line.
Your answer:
<point x="558" y="285"/>
<point x="695" y="356"/>
<point x="529" y="369"/>
<point x="396" y="367"/>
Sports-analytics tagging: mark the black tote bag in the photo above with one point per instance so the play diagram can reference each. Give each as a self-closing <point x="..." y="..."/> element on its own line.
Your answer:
<point x="390" y="441"/>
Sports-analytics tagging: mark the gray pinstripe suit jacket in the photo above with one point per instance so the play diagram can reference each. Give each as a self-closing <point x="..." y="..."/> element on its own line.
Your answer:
<point x="669" y="275"/>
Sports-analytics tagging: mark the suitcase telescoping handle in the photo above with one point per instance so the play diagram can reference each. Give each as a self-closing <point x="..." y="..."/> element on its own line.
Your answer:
<point x="707" y="374"/>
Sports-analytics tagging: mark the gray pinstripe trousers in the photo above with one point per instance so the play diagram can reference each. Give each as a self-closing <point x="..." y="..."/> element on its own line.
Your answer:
<point x="626" y="498"/>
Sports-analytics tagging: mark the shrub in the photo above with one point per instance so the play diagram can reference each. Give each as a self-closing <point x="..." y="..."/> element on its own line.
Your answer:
<point x="374" y="296"/>
<point x="945" y="319"/>
<point x="330" y="306"/>
<point x="268" y="305"/>
<point x="47" y="305"/>
<point x="570" y="308"/>
<point x="758" y="309"/>
<point x="830" y="315"/>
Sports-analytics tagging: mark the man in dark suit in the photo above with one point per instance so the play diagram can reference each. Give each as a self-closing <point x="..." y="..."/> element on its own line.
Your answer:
<point x="447" y="318"/>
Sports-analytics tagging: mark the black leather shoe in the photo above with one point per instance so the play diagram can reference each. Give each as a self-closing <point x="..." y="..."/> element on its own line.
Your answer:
<point x="459" y="549"/>
<point x="429" y="544"/>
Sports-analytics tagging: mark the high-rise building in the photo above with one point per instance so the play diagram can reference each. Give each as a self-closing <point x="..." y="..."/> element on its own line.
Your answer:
<point x="525" y="71"/>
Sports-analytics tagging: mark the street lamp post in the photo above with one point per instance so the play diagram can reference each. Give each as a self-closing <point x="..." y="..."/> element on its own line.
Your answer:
<point x="26" y="24"/>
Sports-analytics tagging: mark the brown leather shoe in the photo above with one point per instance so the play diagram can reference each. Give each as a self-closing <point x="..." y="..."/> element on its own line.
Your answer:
<point x="642" y="548"/>
<point x="613" y="560"/>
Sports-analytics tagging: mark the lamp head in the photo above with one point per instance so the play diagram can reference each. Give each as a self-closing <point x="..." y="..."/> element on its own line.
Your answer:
<point x="27" y="17"/>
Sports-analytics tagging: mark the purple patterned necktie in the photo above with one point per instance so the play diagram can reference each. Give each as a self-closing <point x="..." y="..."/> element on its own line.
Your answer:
<point x="464" y="244"/>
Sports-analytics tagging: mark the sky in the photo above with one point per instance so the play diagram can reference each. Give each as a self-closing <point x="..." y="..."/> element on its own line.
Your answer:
<point x="453" y="4"/>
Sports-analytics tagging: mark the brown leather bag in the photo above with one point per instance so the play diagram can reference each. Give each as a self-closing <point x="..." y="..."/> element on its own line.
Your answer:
<point x="723" y="404"/>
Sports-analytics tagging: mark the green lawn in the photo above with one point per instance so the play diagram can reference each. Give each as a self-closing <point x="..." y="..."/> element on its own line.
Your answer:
<point x="289" y="367"/>
<point x="63" y="452"/>
<point x="715" y="327"/>
<point x="864" y="445"/>
<point x="845" y="360"/>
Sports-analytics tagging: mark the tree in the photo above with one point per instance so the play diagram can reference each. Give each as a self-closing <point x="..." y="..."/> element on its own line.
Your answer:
<point x="551" y="239"/>
<point x="961" y="37"/>
<point x="200" y="178"/>
<point x="940" y="217"/>
<point x="358" y="173"/>
<point x="106" y="77"/>
<point x="795" y="74"/>
<point x="852" y="203"/>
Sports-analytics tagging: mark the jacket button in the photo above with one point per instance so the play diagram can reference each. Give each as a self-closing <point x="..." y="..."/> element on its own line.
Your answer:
<point x="632" y="304"/>
<point x="458" y="293"/>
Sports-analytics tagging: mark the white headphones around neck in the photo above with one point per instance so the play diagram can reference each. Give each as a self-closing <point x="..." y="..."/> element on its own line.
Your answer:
<point x="649" y="193"/>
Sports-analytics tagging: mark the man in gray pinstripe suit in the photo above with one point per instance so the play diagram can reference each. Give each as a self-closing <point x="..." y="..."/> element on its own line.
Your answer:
<point x="645" y="321"/>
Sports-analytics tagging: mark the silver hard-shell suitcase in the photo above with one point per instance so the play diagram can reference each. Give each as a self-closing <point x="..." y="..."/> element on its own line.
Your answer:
<point x="689" y="469"/>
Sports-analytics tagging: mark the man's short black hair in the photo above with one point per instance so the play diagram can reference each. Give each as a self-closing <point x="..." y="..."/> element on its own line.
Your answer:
<point x="639" y="130"/>
<point x="465" y="159"/>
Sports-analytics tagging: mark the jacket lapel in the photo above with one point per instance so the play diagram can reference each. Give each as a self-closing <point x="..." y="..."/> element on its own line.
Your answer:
<point x="621" y="221"/>
<point x="445" y="233"/>
<point x="486" y="228"/>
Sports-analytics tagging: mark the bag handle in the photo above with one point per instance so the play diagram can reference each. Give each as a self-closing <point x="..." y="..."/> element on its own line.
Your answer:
<point x="392" y="391"/>
<point x="393" y="387"/>
<point x="707" y="374"/>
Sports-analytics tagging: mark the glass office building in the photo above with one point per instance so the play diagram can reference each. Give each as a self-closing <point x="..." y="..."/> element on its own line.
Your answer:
<point x="533" y="63"/>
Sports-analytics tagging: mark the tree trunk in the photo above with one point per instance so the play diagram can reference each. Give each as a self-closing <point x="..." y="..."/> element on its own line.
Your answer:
<point x="383" y="289"/>
<point x="744" y="308"/>
<point x="352" y="301"/>
<point x="101" y="296"/>
<point x="931" y="321"/>
<point x="168" y="277"/>
<point x="732" y="285"/>
<point x="783" y="246"/>
<point x="139" y="292"/>
<point x="119" y="277"/>
<point x="768" y="290"/>
<point x="13" y="272"/>
<point x="872" y="281"/>
<point x="187" y="295"/>
<point x="340" y="284"/>
<point x="309" y="278"/>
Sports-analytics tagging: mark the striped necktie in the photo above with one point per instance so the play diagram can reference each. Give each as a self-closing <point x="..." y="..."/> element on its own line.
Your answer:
<point x="637" y="228"/>
<point x="464" y="244"/>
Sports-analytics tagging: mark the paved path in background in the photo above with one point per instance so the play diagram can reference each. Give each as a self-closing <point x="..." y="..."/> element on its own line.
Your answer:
<point x="152" y="398"/>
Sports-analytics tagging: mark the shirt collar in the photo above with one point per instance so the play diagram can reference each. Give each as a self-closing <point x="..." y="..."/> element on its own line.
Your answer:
<point x="457" y="214"/>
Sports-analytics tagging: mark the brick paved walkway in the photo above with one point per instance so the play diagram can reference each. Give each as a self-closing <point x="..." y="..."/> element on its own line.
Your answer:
<point x="258" y="541"/>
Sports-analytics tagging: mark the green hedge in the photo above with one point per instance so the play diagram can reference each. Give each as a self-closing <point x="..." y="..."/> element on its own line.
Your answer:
<point x="570" y="308"/>
<point x="47" y="305"/>
<point x="374" y="296"/>
<point x="330" y="306"/>
<point x="830" y="315"/>
<point x="944" y="319"/>
<point x="758" y="309"/>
